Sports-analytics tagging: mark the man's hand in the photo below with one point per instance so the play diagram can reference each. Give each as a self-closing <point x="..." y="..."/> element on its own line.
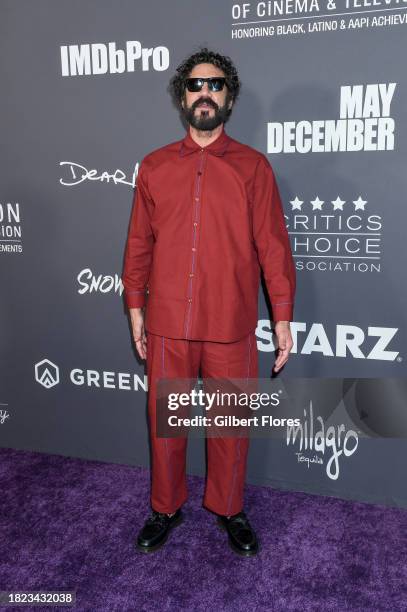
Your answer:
<point x="284" y="343"/>
<point x="139" y="334"/>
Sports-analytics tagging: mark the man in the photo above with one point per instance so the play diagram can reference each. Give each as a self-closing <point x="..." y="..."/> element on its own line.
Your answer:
<point x="206" y="217"/>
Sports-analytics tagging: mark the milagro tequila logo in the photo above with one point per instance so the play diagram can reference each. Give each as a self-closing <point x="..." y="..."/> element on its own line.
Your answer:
<point x="335" y="441"/>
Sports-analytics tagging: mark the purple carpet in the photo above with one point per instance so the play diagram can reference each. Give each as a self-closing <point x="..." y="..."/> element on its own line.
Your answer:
<point x="69" y="524"/>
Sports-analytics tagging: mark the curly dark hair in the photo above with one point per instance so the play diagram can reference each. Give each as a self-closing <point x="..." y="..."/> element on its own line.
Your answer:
<point x="205" y="56"/>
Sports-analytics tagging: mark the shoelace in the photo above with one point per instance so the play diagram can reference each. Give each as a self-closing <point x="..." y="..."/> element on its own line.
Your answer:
<point x="239" y="522"/>
<point x="157" y="517"/>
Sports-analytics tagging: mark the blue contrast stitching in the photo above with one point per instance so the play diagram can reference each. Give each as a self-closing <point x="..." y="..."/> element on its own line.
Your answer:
<point x="163" y="374"/>
<point x="240" y="439"/>
<point x="197" y="192"/>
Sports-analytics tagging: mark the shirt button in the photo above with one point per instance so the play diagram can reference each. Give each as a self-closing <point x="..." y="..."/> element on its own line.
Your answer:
<point x="197" y="199"/>
<point x="193" y="248"/>
<point x="195" y="223"/>
<point x="199" y="173"/>
<point x="189" y="300"/>
<point x="191" y="274"/>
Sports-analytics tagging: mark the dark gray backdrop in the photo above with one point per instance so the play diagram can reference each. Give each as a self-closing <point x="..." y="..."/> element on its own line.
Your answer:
<point x="57" y="235"/>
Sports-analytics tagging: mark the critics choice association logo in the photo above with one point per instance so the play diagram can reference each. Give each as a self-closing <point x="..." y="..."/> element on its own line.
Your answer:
<point x="340" y="235"/>
<point x="10" y="228"/>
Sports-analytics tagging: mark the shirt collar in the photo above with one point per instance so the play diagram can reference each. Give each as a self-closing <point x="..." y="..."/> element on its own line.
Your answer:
<point x="217" y="147"/>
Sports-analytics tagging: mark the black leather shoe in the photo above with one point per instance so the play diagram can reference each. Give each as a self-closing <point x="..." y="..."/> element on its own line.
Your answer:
<point x="242" y="538"/>
<point x="156" y="529"/>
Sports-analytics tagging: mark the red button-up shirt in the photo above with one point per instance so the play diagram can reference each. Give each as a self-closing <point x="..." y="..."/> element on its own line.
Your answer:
<point x="204" y="222"/>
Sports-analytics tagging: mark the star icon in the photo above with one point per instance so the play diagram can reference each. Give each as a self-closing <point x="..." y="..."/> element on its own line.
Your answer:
<point x="317" y="203"/>
<point x="296" y="203"/>
<point x="338" y="203"/>
<point x="359" y="203"/>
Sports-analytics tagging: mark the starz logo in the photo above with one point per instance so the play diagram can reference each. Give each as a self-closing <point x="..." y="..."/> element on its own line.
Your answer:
<point x="335" y="235"/>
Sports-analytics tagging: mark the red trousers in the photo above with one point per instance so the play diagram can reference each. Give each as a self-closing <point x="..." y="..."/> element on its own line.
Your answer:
<point x="226" y="465"/>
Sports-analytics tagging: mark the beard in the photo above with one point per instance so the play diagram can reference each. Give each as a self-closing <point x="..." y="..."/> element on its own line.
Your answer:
<point x="203" y="120"/>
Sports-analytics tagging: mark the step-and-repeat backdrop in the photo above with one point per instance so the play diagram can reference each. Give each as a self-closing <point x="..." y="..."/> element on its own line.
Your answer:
<point x="84" y="98"/>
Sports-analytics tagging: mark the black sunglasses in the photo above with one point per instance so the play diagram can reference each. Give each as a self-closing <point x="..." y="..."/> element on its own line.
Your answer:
<point x="214" y="83"/>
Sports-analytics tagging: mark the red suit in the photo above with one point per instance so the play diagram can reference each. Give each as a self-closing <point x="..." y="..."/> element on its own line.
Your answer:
<point x="204" y="222"/>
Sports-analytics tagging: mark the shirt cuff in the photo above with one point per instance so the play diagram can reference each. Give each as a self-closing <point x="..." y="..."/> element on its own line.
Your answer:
<point x="135" y="299"/>
<point x="283" y="311"/>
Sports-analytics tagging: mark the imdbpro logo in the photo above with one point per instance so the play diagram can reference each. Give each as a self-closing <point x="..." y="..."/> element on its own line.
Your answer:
<point x="101" y="58"/>
<point x="47" y="373"/>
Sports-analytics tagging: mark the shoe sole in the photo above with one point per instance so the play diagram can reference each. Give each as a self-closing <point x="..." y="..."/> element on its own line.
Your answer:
<point x="239" y="551"/>
<point x="149" y="549"/>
